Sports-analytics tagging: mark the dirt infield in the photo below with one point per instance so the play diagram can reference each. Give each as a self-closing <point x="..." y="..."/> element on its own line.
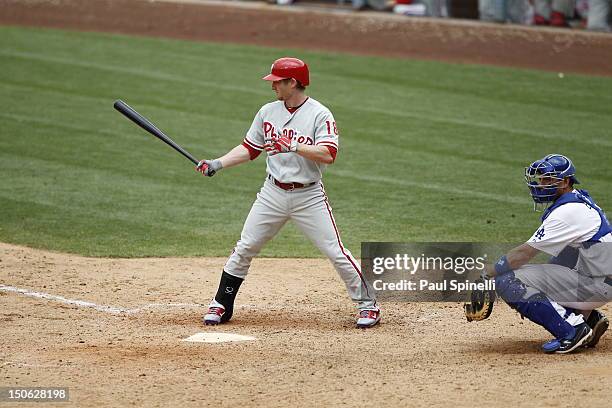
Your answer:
<point x="363" y="33"/>
<point x="124" y="346"/>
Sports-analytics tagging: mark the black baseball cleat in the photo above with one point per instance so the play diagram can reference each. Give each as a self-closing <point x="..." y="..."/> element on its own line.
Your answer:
<point x="583" y="334"/>
<point x="599" y="323"/>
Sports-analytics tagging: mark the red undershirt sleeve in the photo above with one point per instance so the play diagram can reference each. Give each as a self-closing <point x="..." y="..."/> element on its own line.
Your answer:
<point x="253" y="153"/>
<point x="333" y="151"/>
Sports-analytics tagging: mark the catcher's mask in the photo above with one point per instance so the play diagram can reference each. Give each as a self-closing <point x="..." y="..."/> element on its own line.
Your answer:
<point x="544" y="176"/>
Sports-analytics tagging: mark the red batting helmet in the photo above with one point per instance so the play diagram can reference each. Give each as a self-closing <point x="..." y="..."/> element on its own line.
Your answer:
<point x="287" y="67"/>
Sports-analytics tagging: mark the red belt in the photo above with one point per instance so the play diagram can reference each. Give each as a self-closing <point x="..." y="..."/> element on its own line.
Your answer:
<point x="290" y="186"/>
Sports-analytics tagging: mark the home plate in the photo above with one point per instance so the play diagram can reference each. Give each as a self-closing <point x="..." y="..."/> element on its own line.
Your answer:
<point x="217" y="338"/>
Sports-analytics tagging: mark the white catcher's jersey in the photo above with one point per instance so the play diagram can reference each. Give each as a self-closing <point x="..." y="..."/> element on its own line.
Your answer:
<point x="311" y="124"/>
<point x="570" y="224"/>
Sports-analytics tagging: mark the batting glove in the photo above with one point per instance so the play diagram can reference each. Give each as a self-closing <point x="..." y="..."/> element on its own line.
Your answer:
<point x="282" y="144"/>
<point x="209" y="167"/>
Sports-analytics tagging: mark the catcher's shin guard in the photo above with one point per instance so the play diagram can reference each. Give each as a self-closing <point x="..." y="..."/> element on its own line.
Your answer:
<point x="226" y="294"/>
<point x="535" y="305"/>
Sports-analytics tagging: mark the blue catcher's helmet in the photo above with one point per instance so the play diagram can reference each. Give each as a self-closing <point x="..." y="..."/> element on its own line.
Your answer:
<point x="544" y="176"/>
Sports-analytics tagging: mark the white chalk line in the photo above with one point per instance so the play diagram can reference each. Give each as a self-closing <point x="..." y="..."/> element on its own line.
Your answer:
<point x="101" y="308"/>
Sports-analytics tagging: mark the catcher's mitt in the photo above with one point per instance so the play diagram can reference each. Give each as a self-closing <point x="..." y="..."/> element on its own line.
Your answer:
<point x="480" y="304"/>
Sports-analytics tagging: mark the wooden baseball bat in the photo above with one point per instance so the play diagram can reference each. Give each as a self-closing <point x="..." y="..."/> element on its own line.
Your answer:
<point x="144" y="123"/>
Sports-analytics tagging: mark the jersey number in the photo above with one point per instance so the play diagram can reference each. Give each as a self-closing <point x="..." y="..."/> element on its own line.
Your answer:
<point x="329" y="127"/>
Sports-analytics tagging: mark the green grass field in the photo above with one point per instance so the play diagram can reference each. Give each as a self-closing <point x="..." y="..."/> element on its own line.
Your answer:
<point x="429" y="151"/>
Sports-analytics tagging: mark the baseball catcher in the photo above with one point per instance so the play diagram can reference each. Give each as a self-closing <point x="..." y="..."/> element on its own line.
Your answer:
<point x="563" y="294"/>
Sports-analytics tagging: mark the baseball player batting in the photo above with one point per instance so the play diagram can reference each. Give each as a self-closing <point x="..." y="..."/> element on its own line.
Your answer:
<point x="562" y="295"/>
<point x="300" y="138"/>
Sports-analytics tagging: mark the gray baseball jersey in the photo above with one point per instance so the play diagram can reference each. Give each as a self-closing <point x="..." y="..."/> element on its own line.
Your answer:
<point x="311" y="124"/>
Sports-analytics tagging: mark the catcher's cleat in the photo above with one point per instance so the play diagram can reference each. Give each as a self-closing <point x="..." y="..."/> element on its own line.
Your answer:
<point x="599" y="323"/>
<point x="368" y="318"/>
<point x="551" y="346"/>
<point x="582" y="336"/>
<point x="214" y="314"/>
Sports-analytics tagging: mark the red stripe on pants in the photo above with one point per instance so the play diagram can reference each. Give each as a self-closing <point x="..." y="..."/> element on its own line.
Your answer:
<point x="340" y="242"/>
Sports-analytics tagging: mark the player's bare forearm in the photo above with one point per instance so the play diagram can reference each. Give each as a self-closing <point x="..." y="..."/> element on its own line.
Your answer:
<point x="234" y="157"/>
<point x="520" y="255"/>
<point x="515" y="258"/>
<point x="318" y="154"/>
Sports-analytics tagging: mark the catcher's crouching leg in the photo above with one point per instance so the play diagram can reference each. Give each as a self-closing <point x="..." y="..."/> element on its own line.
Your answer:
<point x="532" y="304"/>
